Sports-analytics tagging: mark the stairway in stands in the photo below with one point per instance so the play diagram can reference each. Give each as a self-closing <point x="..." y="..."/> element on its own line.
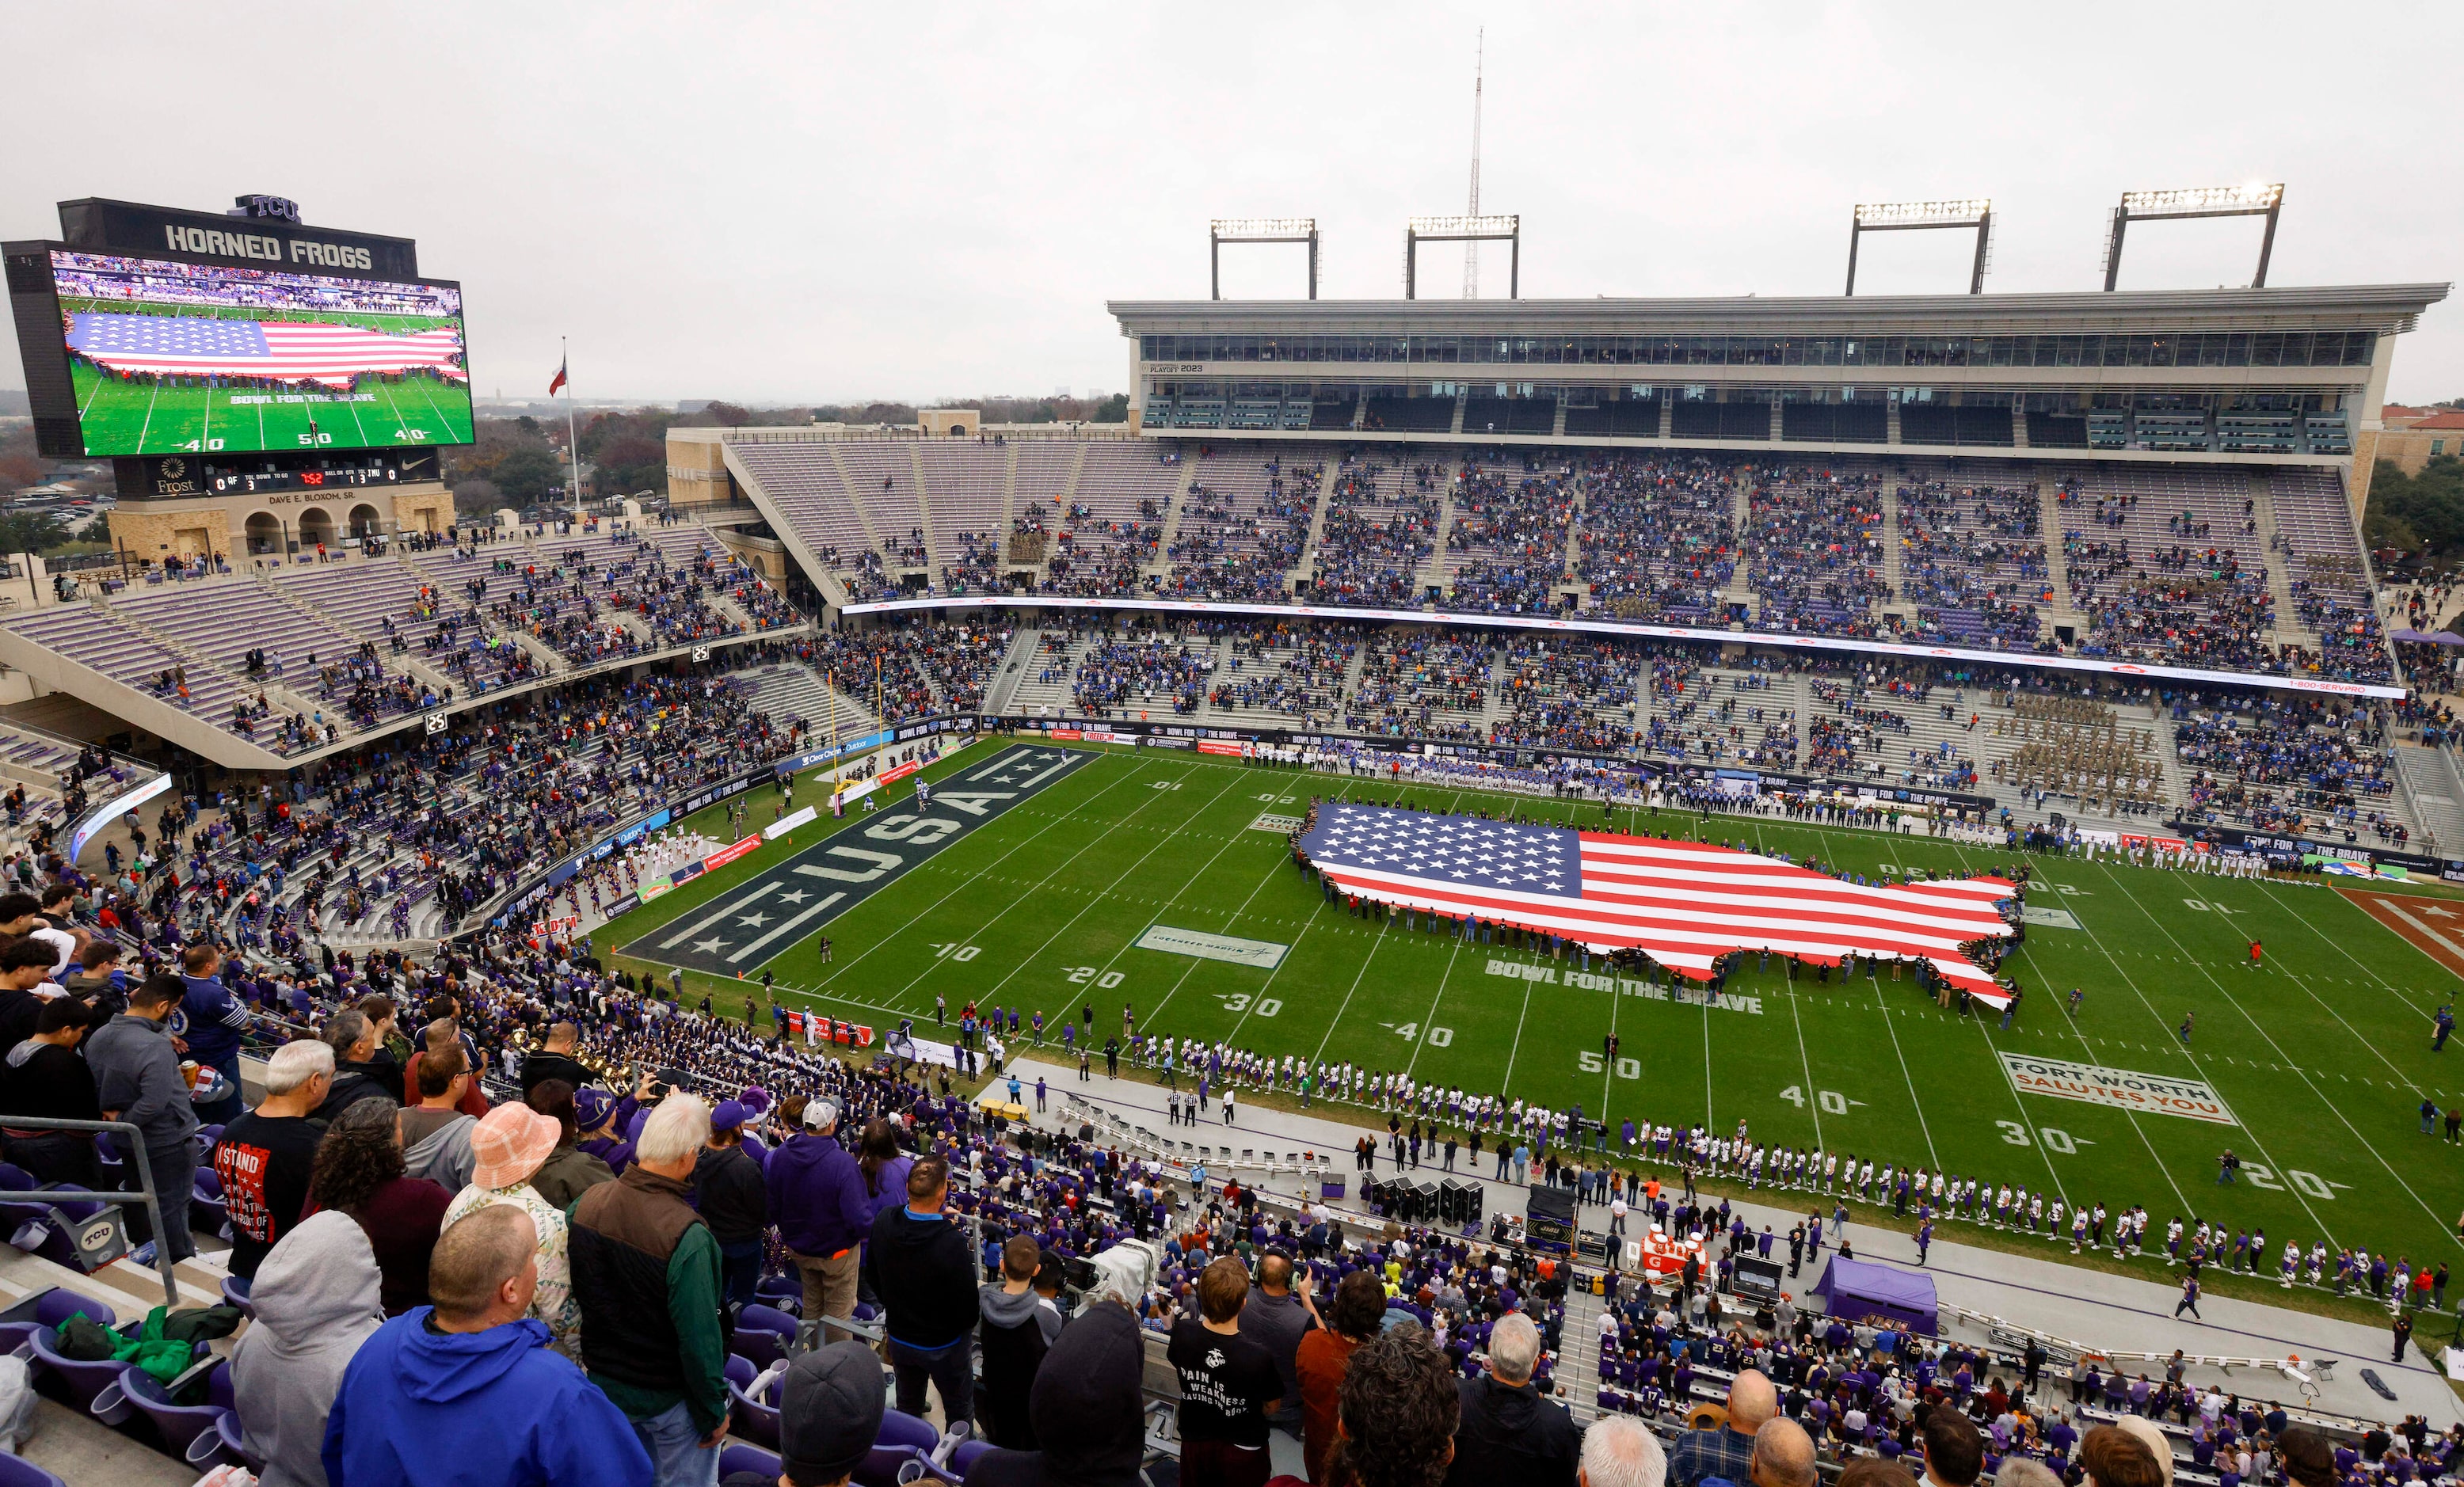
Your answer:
<point x="2437" y="787"/>
<point x="1576" y="1372"/>
<point x="2289" y="626"/>
<point x="796" y="691"/>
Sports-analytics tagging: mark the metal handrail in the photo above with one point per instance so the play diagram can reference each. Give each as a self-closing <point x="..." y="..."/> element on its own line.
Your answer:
<point x="146" y="1193"/>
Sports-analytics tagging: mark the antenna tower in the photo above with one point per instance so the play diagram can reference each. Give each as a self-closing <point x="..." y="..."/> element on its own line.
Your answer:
<point x="1471" y="251"/>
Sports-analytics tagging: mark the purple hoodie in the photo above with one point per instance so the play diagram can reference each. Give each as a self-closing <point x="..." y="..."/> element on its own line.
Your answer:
<point x="817" y="1197"/>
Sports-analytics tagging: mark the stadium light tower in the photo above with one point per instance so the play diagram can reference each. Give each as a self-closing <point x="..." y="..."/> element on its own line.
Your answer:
<point x="1257" y="230"/>
<point x="1907" y="216"/>
<point x="2213" y="201"/>
<point x="1507" y="229"/>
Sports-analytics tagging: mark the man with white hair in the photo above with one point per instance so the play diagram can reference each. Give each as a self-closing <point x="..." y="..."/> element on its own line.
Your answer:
<point x="1619" y="1450"/>
<point x="646" y="1272"/>
<point x="265" y="1156"/>
<point x="1507" y="1433"/>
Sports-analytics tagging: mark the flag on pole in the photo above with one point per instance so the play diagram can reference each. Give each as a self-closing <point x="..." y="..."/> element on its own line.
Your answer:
<point x="559" y="378"/>
<point x="1683" y="904"/>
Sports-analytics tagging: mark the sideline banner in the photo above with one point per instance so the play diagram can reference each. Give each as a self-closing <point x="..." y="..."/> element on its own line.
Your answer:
<point x="787" y="822"/>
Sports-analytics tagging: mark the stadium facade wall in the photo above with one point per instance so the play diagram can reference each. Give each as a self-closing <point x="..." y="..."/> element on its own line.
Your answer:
<point x="196" y="527"/>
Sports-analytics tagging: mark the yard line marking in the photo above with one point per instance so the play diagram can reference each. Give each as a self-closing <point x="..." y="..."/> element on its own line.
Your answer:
<point x="1896" y="1052"/>
<point x="1422" y="1040"/>
<point x="2132" y="1116"/>
<point x="979" y="873"/>
<point x="1807" y="1065"/>
<point x="1357" y="980"/>
<point x="1093" y="896"/>
<point x="2298" y="1195"/>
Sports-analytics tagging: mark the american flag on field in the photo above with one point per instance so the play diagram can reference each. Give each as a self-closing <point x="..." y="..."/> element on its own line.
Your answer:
<point x="284" y="351"/>
<point x="1683" y="904"/>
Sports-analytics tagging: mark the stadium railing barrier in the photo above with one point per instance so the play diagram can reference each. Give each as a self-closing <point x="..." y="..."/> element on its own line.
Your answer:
<point x="99" y="1249"/>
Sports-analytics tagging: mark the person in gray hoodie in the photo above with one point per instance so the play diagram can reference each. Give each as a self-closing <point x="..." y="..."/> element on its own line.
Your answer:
<point x="317" y="1298"/>
<point x="1017" y="1331"/>
<point x="137" y="1079"/>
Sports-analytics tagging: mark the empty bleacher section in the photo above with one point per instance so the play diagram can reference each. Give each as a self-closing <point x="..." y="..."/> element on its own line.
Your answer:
<point x="1112" y="524"/>
<point x="1636" y="418"/>
<point x="1408" y="415"/>
<point x="803" y="484"/>
<point x="1703" y="418"/>
<point x="1937" y="422"/>
<point x="1488" y="414"/>
<point x="1835" y="423"/>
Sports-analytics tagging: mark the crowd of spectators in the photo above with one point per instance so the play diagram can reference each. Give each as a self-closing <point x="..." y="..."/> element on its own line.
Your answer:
<point x="1813" y="544"/>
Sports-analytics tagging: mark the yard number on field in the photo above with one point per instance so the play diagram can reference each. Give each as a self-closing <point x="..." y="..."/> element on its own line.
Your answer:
<point x="1830" y="1101"/>
<point x="2310" y="1184"/>
<point x="1434" y="1036"/>
<point x="1080" y="975"/>
<point x="1266" y="1007"/>
<point x="2060" y="1143"/>
<point x="1592" y="1063"/>
<point x="952" y="951"/>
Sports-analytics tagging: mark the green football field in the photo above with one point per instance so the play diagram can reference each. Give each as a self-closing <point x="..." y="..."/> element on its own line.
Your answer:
<point x="130" y="418"/>
<point x="2321" y="1058"/>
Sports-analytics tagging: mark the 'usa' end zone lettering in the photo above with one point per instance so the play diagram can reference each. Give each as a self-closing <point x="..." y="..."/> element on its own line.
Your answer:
<point x="1626" y="986"/>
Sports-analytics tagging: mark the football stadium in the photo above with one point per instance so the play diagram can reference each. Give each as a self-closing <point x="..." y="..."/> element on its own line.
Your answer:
<point x="1771" y="888"/>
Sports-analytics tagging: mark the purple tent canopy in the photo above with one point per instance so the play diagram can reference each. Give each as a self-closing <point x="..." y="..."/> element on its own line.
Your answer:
<point x="1854" y="1290"/>
<point x="2417" y="638"/>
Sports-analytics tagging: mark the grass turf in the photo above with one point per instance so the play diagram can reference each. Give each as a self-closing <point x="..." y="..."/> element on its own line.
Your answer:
<point x="2322" y="1055"/>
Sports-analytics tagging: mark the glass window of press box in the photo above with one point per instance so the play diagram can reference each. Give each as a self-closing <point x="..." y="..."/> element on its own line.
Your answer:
<point x="2194" y="349"/>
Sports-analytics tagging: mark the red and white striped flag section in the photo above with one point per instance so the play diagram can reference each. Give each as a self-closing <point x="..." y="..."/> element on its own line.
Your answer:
<point x="1683" y="903"/>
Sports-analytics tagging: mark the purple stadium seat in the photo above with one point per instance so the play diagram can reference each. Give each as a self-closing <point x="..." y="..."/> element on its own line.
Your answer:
<point x="45" y="1311"/>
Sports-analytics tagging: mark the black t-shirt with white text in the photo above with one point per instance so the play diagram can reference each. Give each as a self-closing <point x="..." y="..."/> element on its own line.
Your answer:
<point x="1226" y="1382"/>
<point x="263" y="1162"/>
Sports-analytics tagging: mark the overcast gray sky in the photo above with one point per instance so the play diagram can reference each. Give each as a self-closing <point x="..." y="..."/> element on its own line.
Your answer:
<point x="796" y="204"/>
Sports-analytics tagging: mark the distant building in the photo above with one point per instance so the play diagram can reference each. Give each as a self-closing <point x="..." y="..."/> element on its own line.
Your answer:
<point x="2423" y="435"/>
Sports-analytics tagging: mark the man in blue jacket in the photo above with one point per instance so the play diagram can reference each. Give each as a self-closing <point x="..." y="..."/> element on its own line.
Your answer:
<point x="466" y="1393"/>
<point x="818" y="1200"/>
<point x="211" y="1019"/>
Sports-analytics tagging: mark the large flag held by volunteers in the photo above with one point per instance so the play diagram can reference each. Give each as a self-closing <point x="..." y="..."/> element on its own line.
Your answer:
<point x="282" y="351"/>
<point x="1683" y="904"/>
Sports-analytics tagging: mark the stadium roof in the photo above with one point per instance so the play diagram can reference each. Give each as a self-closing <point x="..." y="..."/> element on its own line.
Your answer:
<point x="2389" y="307"/>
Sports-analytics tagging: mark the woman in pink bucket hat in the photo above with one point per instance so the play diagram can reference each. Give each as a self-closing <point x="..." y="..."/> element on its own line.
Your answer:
<point x="507" y="1146"/>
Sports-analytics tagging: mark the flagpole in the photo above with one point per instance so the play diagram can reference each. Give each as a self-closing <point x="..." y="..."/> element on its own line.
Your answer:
<point x="572" y="444"/>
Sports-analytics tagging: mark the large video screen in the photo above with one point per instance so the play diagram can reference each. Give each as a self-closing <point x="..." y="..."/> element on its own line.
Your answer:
<point x="182" y="357"/>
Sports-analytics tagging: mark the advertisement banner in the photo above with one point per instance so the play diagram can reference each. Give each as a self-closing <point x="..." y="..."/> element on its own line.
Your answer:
<point x="2121" y="1089"/>
<point x="787" y="822"/>
<point x="728" y="854"/>
<point x="684" y="875"/>
<point x="898" y="772"/>
<point x="1232" y="747"/>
